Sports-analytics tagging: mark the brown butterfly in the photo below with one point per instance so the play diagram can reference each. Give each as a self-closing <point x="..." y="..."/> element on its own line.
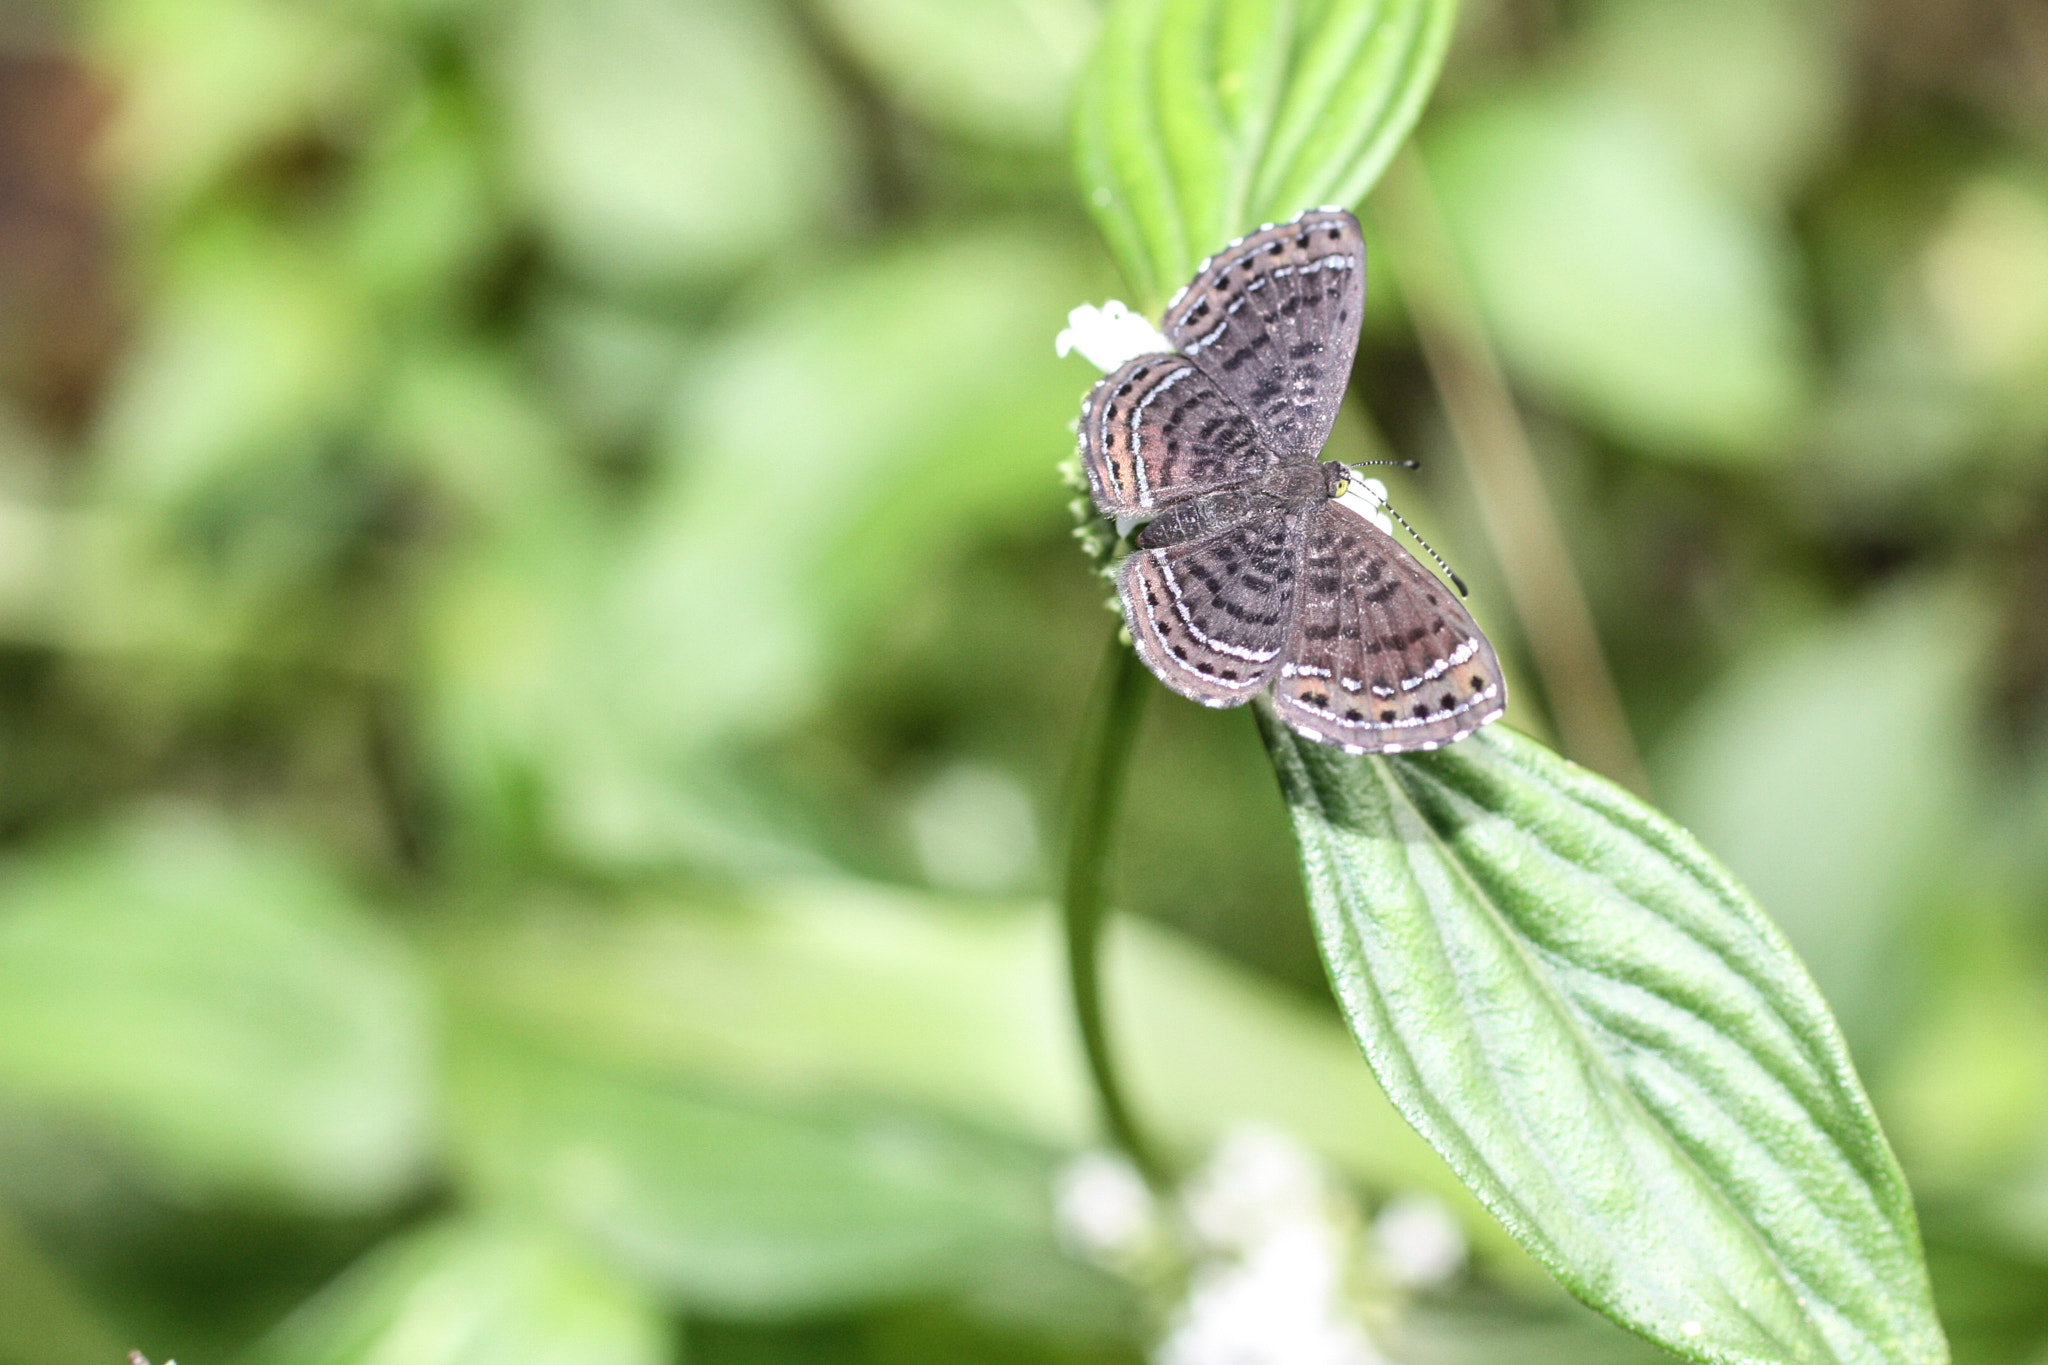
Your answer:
<point x="1251" y="574"/>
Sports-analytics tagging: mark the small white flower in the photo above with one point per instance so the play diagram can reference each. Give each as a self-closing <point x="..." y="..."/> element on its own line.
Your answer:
<point x="1277" y="1305"/>
<point x="1366" y="497"/>
<point x="1109" y="335"/>
<point x="1267" y="1261"/>
<point x="1101" y="1206"/>
<point x="1258" y="1182"/>
<point x="1271" y="1286"/>
<point x="1420" y="1245"/>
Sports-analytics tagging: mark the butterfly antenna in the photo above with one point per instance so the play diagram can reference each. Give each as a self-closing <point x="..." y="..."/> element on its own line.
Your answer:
<point x="1428" y="549"/>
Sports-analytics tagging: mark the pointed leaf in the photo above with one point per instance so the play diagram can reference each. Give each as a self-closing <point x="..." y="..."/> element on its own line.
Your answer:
<point x="1613" y="1047"/>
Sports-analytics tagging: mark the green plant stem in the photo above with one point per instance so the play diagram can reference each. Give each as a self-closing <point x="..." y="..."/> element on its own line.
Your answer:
<point x="1103" y="760"/>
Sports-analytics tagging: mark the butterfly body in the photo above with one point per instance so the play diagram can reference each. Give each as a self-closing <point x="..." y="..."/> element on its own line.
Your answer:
<point x="1251" y="574"/>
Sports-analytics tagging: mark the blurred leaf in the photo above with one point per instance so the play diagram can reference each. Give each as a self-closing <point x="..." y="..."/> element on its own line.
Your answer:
<point x="1965" y="1089"/>
<point x="1611" y="1044"/>
<point x="823" y="992"/>
<point x="224" y="503"/>
<point x="912" y="400"/>
<point x="1942" y="290"/>
<point x="526" y="739"/>
<point x="205" y="86"/>
<point x="838" y="993"/>
<point x="493" y="716"/>
<point x="465" y="421"/>
<point x="849" y="437"/>
<point x="668" y="142"/>
<point x="733" y="1209"/>
<point x="501" y="614"/>
<point x="1828" y="771"/>
<point x="613" y="368"/>
<point x="1757" y="87"/>
<point x="1984" y="276"/>
<point x="1461" y="1331"/>
<point x="1621" y="278"/>
<point x="1896" y="422"/>
<point x="44" y="1318"/>
<point x="421" y="218"/>
<point x="996" y="69"/>
<point x="1206" y="1045"/>
<point x="1199" y="119"/>
<point x="253" y="348"/>
<point x="916" y="401"/>
<point x="221" y="1007"/>
<point x="475" y="1291"/>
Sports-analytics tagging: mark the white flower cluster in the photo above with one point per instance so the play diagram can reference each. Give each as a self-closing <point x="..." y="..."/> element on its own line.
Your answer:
<point x="1262" y="1253"/>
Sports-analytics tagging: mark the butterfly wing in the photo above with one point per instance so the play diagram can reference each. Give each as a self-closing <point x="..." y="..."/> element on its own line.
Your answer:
<point x="1382" y="656"/>
<point x="1210" y="615"/>
<point x="1156" y="431"/>
<point x="1273" y="319"/>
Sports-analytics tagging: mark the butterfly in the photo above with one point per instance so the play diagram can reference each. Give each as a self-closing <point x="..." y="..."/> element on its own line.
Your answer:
<point x="1250" y="574"/>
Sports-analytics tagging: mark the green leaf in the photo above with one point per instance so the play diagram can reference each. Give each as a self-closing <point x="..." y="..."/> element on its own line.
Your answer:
<point x="476" y="1291"/>
<point x="1757" y="87"/>
<point x="1199" y="119"/>
<point x="734" y="1208"/>
<point x="1621" y="276"/>
<point x="45" y="1318"/>
<point x="221" y="1007"/>
<point x="918" y="404"/>
<point x="253" y="352"/>
<point x="999" y="70"/>
<point x="849" y="993"/>
<point x="667" y="143"/>
<point x="1837" y="816"/>
<point x="1613" y="1047"/>
<point x="206" y="86"/>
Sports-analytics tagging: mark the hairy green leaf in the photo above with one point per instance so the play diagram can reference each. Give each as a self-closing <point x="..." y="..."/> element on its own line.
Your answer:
<point x="1199" y="119"/>
<point x="1614" y="1048"/>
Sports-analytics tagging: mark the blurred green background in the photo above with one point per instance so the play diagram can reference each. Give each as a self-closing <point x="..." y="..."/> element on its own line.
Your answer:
<point x="540" y="646"/>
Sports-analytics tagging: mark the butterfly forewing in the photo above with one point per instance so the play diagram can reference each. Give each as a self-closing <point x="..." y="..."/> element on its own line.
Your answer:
<point x="1157" y="431"/>
<point x="1274" y="319"/>
<point x="1210" y="616"/>
<point x="1382" y="657"/>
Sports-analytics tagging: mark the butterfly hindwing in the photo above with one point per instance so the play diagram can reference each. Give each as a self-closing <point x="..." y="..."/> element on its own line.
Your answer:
<point x="1382" y="657"/>
<point x="1274" y="319"/>
<point x="1156" y="431"/>
<point x="1210" y="615"/>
